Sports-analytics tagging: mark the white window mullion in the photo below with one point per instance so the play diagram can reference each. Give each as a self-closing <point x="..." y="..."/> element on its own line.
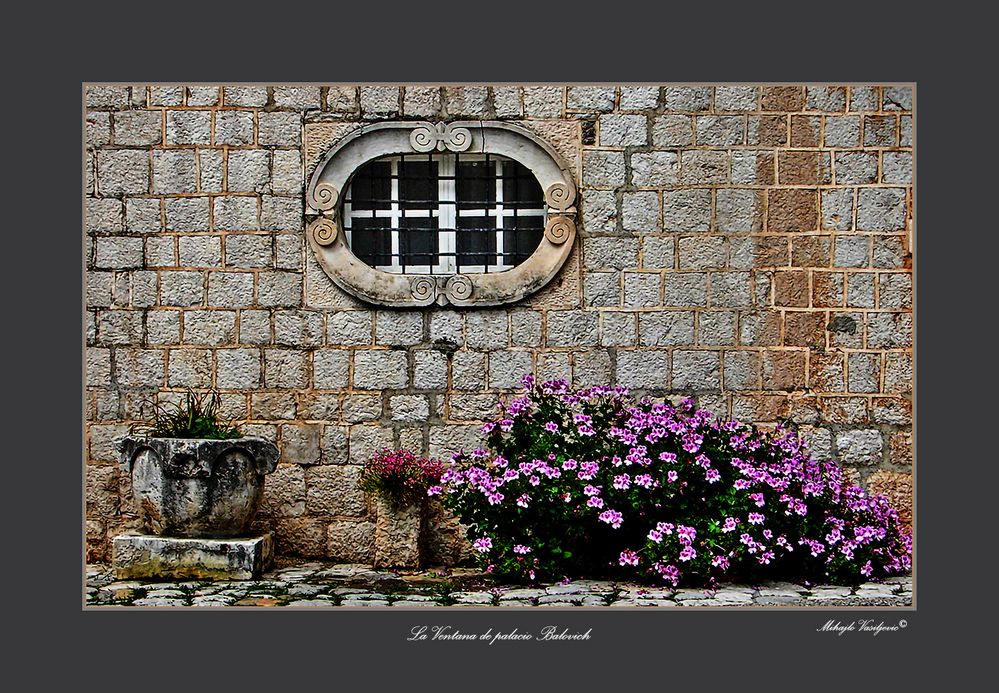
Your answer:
<point x="395" y="215"/>
<point x="447" y="218"/>
<point x="500" y="263"/>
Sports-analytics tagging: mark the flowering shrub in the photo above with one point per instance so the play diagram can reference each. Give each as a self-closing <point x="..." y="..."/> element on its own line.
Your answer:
<point x="589" y="482"/>
<point x="399" y="477"/>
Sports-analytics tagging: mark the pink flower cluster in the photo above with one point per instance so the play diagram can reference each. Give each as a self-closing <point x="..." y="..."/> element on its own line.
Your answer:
<point x="591" y="481"/>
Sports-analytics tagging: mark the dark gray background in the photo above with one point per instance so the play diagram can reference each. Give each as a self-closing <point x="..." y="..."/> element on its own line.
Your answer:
<point x="608" y="42"/>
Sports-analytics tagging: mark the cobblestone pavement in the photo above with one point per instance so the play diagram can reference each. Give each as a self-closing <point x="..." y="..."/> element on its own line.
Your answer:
<point x="317" y="585"/>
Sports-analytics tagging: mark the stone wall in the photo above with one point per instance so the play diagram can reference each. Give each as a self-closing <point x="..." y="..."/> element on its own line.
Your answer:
<point x="748" y="245"/>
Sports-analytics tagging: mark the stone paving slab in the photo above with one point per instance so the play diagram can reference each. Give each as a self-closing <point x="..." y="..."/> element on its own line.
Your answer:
<point x="318" y="585"/>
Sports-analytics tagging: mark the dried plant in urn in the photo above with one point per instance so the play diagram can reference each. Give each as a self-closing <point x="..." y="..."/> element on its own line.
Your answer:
<point x="193" y="474"/>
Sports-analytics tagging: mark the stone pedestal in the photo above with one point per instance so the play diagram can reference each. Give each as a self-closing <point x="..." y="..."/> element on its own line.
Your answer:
<point x="398" y="535"/>
<point x="141" y="556"/>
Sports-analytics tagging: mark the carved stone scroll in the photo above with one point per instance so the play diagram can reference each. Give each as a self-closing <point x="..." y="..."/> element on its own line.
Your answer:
<point x="324" y="231"/>
<point x="324" y="197"/>
<point x="559" y="229"/>
<point x="427" y="137"/>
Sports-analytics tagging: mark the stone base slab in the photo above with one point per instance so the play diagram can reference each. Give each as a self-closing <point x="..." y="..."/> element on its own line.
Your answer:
<point x="151" y="557"/>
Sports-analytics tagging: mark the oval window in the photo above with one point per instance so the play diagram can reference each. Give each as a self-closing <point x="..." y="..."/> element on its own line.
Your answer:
<point x="465" y="213"/>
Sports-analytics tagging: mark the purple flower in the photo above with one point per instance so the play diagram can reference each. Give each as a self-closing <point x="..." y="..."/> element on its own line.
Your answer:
<point x="758" y="497"/>
<point x="483" y="545"/>
<point x="729" y="525"/>
<point x="523" y="500"/>
<point x="521" y="549"/>
<point x="655" y="535"/>
<point x="435" y="490"/>
<point x="712" y="476"/>
<point x="612" y="517"/>
<point x="755" y="519"/>
<point x="644" y="480"/>
<point x="688" y="553"/>
<point x="622" y="481"/>
<point x="628" y="558"/>
<point x="551" y="427"/>
<point x="595" y="502"/>
<point x="672" y="476"/>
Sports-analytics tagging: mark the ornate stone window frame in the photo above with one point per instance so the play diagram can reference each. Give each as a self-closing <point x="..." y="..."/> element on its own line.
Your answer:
<point x="332" y="175"/>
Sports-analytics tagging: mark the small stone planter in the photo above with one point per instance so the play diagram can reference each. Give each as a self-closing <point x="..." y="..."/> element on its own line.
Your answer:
<point x="399" y="535"/>
<point x="197" y="488"/>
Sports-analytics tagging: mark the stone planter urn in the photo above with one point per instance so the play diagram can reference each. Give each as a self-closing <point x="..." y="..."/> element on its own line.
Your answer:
<point x="197" y="488"/>
<point x="399" y="535"/>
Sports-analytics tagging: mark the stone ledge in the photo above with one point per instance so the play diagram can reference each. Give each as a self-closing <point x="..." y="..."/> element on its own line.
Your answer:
<point x="151" y="557"/>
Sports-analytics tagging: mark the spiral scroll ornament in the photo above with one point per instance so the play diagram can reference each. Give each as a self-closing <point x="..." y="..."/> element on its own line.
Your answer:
<point x="456" y="139"/>
<point x="324" y="197"/>
<point x="561" y="196"/>
<point x="423" y="288"/>
<point x="458" y="288"/>
<point x="324" y="231"/>
<point x="427" y="137"/>
<point x="559" y="229"/>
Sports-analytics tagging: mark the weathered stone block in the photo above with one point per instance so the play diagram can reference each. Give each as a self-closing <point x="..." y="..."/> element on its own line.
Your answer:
<point x="174" y="171"/>
<point x="279" y="289"/>
<point x="190" y="368"/>
<point x="730" y="289"/>
<point x="880" y="131"/>
<point x="210" y="327"/>
<point x="642" y="289"/>
<point x="122" y="172"/>
<point x="604" y="169"/>
<point x="610" y="253"/>
<point x="842" y="131"/>
<point x="618" y="130"/>
<point x="617" y="329"/>
<point x="639" y="98"/>
<point x="507" y="368"/>
<point x="233" y="213"/>
<point x="238" y="368"/>
<point x="332" y="490"/>
<point x="792" y="209"/>
<point x="704" y="167"/>
<point x="685" y="289"/>
<point x="409" y="408"/>
<point x="468" y="370"/>
<point x="687" y="210"/>
<point x="200" y="251"/>
<point x="735" y="98"/>
<point x="137" y="556"/>
<point x="543" y="102"/>
<point x="720" y="131"/>
<point x="640" y="212"/>
<point x="860" y="446"/>
<point x="234" y="127"/>
<point x="654" y="169"/>
<point x="667" y="328"/>
<point x="716" y="328"/>
<point x="379" y="100"/>
<point x="702" y="252"/>
<point x="687" y="99"/>
<point x="188" y="127"/>
<point x="571" y="328"/>
<point x="254" y="326"/>
<point x="525" y="328"/>
<point x="286" y="368"/>
<point x="398" y="328"/>
<point x="590" y="98"/>
<point x="284" y="492"/>
<point x="379" y="369"/>
<point x="248" y="170"/>
<point x="742" y="370"/>
<point x="643" y="369"/>
<point x="280" y="129"/>
<point x="881" y="209"/>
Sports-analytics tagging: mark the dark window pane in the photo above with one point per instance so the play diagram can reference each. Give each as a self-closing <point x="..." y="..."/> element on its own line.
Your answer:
<point x="476" y="184"/>
<point x="371" y="186"/>
<point x="476" y="241"/>
<point x="521" y="237"/>
<point x="371" y="241"/>
<point x="418" y="187"/>
<point x="418" y="241"/>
